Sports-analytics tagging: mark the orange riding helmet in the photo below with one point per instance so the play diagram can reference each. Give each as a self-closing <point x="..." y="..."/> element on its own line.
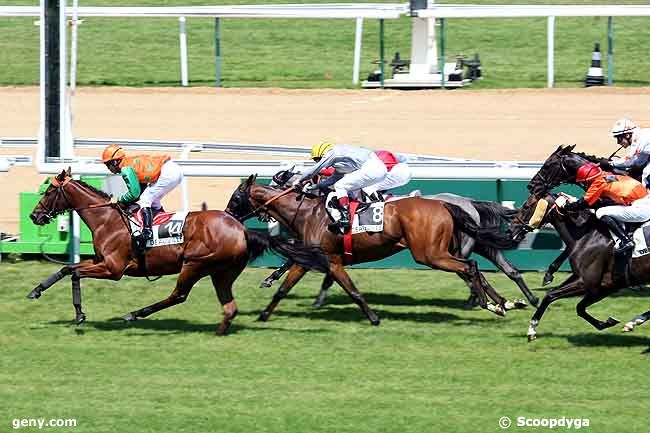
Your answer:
<point x="112" y="152"/>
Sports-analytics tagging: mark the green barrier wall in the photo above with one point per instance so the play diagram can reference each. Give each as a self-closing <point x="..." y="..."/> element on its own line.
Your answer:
<point x="545" y="246"/>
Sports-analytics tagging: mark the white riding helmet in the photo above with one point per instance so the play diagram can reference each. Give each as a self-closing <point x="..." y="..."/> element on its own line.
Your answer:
<point x="623" y="126"/>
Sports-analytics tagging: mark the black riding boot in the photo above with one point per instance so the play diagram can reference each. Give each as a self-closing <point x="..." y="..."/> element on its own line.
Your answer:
<point x="344" y="207"/>
<point x="618" y="229"/>
<point x="147" y="219"/>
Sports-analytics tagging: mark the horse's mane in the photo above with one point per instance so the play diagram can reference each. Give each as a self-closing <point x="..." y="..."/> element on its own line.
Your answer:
<point x="589" y="157"/>
<point x="95" y="190"/>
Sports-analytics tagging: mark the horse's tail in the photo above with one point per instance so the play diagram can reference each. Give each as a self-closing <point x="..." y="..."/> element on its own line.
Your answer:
<point x="493" y="213"/>
<point x="259" y="242"/>
<point x="490" y="236"/>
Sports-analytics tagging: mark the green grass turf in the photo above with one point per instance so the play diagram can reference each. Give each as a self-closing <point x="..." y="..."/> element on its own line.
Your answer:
<point x="430" y="367"/>
<point x="319" y="53"/>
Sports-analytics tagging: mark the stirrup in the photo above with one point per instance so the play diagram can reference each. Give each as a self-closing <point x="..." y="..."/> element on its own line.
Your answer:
<point x="624" y="247"/>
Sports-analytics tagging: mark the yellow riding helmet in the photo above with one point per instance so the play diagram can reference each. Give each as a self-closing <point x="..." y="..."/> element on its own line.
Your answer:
<point x="320" y="149"/>
<point x="112" y="152"/>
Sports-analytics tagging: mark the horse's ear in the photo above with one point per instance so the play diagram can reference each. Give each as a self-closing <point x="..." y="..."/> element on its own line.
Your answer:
<point x="570" y="148"/>
<point x="254" y="178"/>
<point x="69" y="172"/>
<point x="251" y="179"/>
<point x="61" y="175"/>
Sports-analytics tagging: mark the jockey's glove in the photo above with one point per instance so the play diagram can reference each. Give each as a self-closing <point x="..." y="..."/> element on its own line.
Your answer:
<point x="310" y="188"/>
<point x="114" y="199"/>
<point x="606" y="164"/>
<point x="576" y="205"/>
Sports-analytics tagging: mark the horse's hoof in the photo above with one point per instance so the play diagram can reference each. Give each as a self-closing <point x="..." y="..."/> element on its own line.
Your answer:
<point x="263" y="317"/>
<point x="496" y="309"/>
<point x="223" y="328"/>
<point x="265" y="284"/>
<point x="34" y="294"/>
<point x="532" y="337"/>
<point x="534" y="302"/>
<point x="375" y="322"/>
<point x="628" y="327"/>
<point x="612" y="321"/>
<point x="517" y="304"/>
<point x="81" y="318"/>
<point x="548" y="278"/>
<point x="130" y="317"/>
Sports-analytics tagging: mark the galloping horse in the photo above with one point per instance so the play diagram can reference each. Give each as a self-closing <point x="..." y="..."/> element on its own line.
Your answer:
<point x="484" y="213"/>
<point x="597" y="272"/>
<point x="215" y="244"/>
<point x="428" y="228"/>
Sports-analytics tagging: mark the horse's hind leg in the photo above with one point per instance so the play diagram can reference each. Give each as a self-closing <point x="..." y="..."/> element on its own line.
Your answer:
<point x="222" y="282"/>
<point x="343" y="279"/>
<point x="295" y="274"/>
<point x="636" y="321"/>
<point x="496" y="257"/>
<point x="190" y="273"/>
<point x="279" y="272"/>
<point x="324" y="288"/>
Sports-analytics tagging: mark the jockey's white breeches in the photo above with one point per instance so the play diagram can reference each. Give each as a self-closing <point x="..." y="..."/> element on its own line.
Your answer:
<point x="171" y="175"/>
<point x="399" y="175"/>
<point x="371" y="172"/>
<point x="644" y="177"/>
<point x="637" y="212"/>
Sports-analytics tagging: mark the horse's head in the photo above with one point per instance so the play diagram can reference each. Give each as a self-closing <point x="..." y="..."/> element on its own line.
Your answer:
<point x="240" y="205"/>
<point x="283" y="176"/>
<point x="533" y="214"/>
<point x="54" y="200"/>
<point x="560" y="167"/>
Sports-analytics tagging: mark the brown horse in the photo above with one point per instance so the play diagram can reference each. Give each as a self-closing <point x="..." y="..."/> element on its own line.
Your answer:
<point x="428" y="228"/>
<point x="215" y="244"/>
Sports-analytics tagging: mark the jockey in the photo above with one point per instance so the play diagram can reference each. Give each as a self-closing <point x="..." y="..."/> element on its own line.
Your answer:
<point x="632" y="198"/>
<point x="355" y="168"/>
<point x="637" y="142"/>
<point x="148" y="178"/>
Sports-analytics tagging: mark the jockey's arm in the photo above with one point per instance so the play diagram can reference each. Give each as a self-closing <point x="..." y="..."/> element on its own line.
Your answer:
<point x="133" y="186"/>
<point x="328" y="161"/>
<point x="330" y="180"/>
<point x="636" y="163"/>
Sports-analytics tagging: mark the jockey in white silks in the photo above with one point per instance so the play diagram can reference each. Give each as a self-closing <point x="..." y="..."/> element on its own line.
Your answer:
<point x="356" y="168"/>
<point x="637" y="142"/>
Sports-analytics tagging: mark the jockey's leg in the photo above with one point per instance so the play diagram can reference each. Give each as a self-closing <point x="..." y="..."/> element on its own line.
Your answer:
<point x="170" y="176"/>
<point x="614" y="216"/>
<point x="399" y="175"/>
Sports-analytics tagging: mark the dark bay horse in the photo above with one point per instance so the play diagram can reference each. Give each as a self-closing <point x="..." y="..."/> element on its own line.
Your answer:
<point x="428" y="228"/>
<point x="215" y="244"/>
<point x="596" y="271"/>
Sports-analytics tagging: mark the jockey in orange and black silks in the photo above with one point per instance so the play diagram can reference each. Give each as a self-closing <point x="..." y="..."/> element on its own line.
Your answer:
<point x="633" y="202"/>
<point x="148" y="179"/>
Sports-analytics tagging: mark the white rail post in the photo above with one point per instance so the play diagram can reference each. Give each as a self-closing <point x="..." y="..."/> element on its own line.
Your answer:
<point x="75" y="234"/>
<point x="550" y="36"/>
<point x="73" y="79"/>
<point x="183" y="42"/>
<point x="357" y="51"/>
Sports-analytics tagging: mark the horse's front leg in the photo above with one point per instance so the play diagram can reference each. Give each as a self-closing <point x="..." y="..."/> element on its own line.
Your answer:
<point x="295" y="274"/>
<point x="555" y="266"/>
<point x="276" y="274"/>
<point x="572" y="286"/>
<point x="591" y="298"/>
<point x="49" y="282"/>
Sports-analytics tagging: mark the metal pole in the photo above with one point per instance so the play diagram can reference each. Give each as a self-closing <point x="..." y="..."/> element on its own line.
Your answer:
<point x="183" y="41"/>
<point x="550" y="52"/>
<point x="217" y="50"/>
<point x="63" y="79"/>
<point x="52" y="132"/>
<point x="41" y="152"/>
<point x="610" y="51"/>
<point x="357" y="51"/>
<point x="442" y="53"/>
<point x="75" y="232"/>
<point x="69" y="149"/>
<point x="381" y="52"/>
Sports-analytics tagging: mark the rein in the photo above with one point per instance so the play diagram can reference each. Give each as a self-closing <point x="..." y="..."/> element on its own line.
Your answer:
<point x="266" y="203"/>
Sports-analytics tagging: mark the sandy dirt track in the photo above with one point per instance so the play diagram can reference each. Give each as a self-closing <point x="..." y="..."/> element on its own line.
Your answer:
<point x="523" y="124"/>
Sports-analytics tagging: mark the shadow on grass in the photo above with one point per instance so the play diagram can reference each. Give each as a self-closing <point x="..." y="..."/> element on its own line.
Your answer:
<point x="170" y="326"/>
<point x="353" y="314"/>
<point x="390" y="299"/>
<point x="608" y="340"/>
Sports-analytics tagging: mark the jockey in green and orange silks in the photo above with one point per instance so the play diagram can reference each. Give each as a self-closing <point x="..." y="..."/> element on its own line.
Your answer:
<point x="148" y="178"/>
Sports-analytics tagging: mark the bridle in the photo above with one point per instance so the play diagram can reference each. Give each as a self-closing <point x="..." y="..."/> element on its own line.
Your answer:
<point x="59" y="186"/>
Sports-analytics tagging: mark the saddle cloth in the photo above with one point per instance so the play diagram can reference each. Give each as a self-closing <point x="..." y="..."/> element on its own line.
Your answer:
<point x="167" y="228"/>
<point x="641" y="239"/>
<point x="369" y="217"/>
